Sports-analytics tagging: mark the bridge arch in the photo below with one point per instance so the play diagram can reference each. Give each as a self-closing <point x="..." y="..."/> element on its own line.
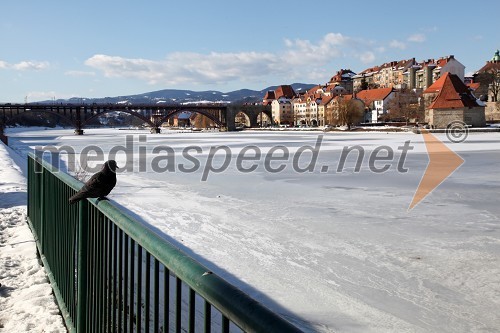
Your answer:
<point x="177" y="111"/>
<point x="67" y="120"/>
<point x="130" y="112"/>
<point x="243" y="118"/>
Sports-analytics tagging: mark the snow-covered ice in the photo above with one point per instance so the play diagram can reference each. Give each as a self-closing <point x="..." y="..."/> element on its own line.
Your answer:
<point x="26" y="300"/>
<point x="331" y="251"/>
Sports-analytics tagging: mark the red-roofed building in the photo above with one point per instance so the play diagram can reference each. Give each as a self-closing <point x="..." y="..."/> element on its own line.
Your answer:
<point x="376" y="101"/>
<point x="269" y="97"/>
<point x="282" y="91"/>
<point x="343" y="78"/>
<point x="449" y="99"/>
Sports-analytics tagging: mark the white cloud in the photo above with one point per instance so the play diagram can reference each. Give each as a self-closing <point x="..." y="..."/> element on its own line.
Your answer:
<point x="180" y="68"/>
<point x="304" y="52"/>
<point x="31" y="65"/>
<point x="25" y="65"/>
<point x="302" y="59"/>
<point x="397" y="44"/>
<point x="417" y="38"/>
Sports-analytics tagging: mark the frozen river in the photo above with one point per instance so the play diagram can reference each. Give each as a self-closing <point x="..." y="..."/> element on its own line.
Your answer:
<point x="334" y="249"/>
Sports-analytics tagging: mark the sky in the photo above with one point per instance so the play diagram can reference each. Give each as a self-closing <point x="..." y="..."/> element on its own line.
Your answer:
<point x="59" y="49"/>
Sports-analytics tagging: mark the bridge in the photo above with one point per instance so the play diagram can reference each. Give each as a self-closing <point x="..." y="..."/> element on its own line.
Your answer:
<point x="81" y="115"/>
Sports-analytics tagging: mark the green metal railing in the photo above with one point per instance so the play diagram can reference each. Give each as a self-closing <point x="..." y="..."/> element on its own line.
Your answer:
<point x="111" y="273"/>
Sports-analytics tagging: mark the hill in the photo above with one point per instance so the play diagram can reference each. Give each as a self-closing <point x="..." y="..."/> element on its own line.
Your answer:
<point x="186" y="96"/>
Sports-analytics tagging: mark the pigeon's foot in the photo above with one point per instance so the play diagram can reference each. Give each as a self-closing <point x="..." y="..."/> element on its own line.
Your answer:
<point x="101" y="198"/>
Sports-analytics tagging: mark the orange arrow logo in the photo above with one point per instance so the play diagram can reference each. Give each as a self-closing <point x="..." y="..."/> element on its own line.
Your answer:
<point x="442" y="163"/>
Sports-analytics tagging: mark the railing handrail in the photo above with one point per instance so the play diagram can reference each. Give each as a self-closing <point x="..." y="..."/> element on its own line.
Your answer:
<point x="237" y="306"/>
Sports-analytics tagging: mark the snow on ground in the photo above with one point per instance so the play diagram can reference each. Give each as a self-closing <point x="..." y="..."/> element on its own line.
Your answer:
<point x="26" y="300"/>
<point x="333" y="251"/>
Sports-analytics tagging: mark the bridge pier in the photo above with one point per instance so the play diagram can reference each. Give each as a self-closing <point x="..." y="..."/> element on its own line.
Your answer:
<point x="3" y="137"/>
<point x="252" y="112"/>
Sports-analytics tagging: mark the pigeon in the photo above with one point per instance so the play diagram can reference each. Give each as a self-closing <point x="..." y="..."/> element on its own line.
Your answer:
<point x="99" y="185"/>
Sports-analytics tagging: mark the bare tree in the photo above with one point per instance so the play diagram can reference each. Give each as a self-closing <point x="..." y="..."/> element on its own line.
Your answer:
<point x="348" y="112"/>
<point x="405" y="105"/>
<point x="494" y="87"/>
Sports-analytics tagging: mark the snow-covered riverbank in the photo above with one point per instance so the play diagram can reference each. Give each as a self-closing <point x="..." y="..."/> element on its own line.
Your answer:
<point x="26" y="300"/>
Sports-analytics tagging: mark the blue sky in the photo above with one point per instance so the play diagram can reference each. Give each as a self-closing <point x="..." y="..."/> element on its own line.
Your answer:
<point x="62" y="49"/>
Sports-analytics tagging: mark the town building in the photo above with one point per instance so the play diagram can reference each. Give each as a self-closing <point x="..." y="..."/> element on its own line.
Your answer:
<point x="376" y="101"/>
<point x="449" y="99"/>
<point x="422" y="75"/>
<point x="485" y="77"/>
<point x="282" y="91"/>
<point x="365" y="79"/>
<point x="282" y="111"/>
<point x="391" y="74"/>
<point x="343" y="78"/>
<point x="323" y="110"/>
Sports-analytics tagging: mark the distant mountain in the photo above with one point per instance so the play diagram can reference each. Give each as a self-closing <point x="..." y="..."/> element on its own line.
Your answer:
<point x="186" y="96"/>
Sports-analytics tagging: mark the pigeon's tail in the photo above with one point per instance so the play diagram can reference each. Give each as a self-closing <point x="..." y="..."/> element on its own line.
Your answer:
<point x="74" y="199"/>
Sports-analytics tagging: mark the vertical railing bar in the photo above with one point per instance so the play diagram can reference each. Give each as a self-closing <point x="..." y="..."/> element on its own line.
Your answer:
<point x="99" y="278"/>
<point x="69" y="254"/>
<point x="111" y="278"/>
<point x="67" y="246"/>
<point x="114" y="278"/>
<point x="156" y="293"/>
<point x="96" y="269"/>
<point x="131" y="288"/>
<point x="64" y="242"/>
<point x="104" y="278"/>
<point x="225" y="324"/>
<point x="147" y="295"/>
<point x="166" y="299"/>
<point x="91" y="269"/>
<point x="126" y="278"/>
<point x="93" y="266"/>
<point x="178" y="304"/>
<point x="109" y="288"/>
<point x="75" y="251"/>
<point x="192" y="308"/>
<point x="73" y="240"/>
<point x="139" y="290"/>
<point x="120" y="277"/>
<point x="42" y="213"/>
<point x="57" y="234"/>
<point x="82" y="284"/>
<point x="208" y="317"/>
